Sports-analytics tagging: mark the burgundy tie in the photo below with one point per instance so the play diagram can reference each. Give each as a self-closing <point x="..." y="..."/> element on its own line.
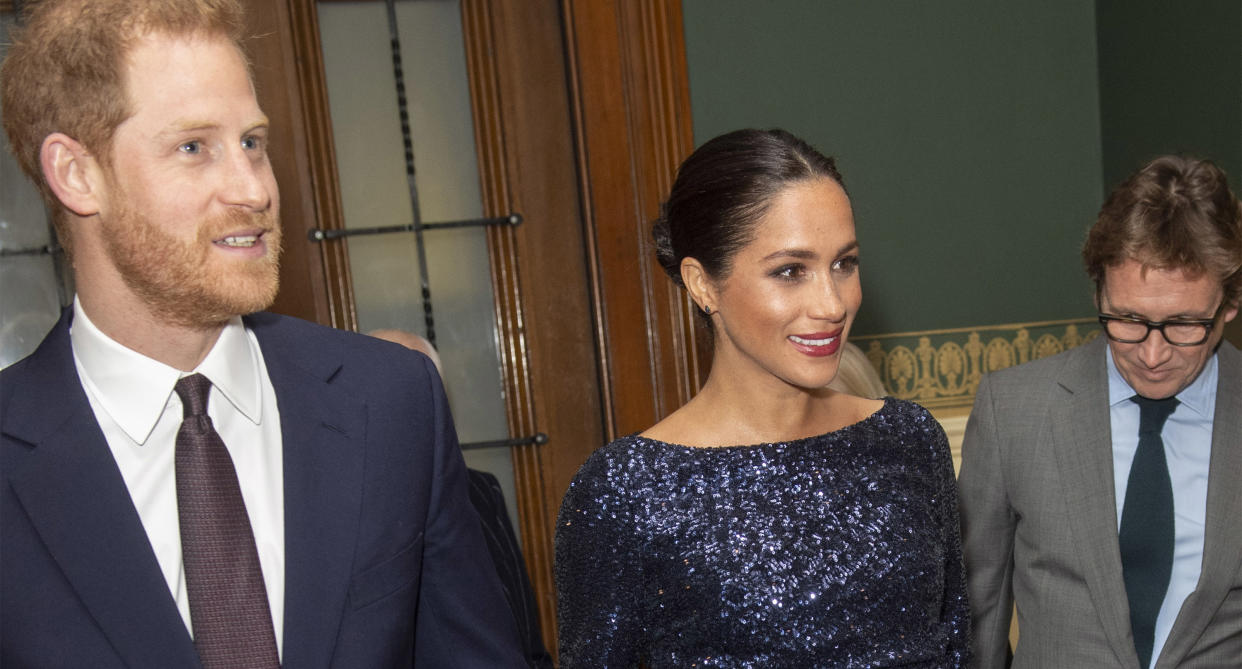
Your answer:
<point x="228" y="602"/>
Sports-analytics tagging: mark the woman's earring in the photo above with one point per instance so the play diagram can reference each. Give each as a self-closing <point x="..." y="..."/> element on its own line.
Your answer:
<point x="707" y="310"/>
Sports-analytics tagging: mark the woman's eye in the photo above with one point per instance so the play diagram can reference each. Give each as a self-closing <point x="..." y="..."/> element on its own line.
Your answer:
<point x="252" y="142"/>
<point x="847" y="264"/>
<point x="789" y="271"/>
<point x="190" y="147"/>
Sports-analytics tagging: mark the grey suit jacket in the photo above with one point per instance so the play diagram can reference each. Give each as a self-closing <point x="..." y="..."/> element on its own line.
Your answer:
<point x="1039" y="522"/>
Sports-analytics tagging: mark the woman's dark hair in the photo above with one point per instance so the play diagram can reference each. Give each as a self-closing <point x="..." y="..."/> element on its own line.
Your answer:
<point x="723" y="189"/>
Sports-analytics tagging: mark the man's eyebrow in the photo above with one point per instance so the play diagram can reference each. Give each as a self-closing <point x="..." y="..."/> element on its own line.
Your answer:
<point x="1188" y="317"/>
<point x="1129" y="313"/>
<point x="187" y="127"/>
<point x="262" y="122"/>
<point x="191" y="126"/>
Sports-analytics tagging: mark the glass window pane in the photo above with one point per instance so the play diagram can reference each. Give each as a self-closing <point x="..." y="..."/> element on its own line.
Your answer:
<point x="29" y="293"/>
<point x="375" y="192"/>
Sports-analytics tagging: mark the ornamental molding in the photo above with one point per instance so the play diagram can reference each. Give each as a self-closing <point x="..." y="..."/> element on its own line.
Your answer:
<point x="942" y="368"/>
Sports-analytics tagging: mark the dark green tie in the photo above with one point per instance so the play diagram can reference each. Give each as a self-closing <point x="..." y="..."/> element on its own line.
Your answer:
<point x="1146" y="534"/>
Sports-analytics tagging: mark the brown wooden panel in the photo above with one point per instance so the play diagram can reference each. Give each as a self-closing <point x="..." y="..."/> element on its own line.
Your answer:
<point x="288" y="72"/>
<point x="631" y="101"/>
<point x="581" y="116"/>
<point x="525" y="145"/>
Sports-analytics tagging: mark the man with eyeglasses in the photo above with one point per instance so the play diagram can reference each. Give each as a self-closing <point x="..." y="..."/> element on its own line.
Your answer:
<point x="1101" y="489"/>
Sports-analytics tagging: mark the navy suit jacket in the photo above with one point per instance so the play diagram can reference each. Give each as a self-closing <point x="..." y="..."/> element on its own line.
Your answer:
<point x="502" y="544"/>
<point x="385" y="562"/>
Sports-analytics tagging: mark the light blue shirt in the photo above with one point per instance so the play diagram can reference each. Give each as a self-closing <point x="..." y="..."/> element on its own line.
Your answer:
<point x="1187" y="440"/>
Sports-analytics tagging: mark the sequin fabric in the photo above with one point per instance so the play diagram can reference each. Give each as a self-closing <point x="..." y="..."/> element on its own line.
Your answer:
<point x="840" y="550"/>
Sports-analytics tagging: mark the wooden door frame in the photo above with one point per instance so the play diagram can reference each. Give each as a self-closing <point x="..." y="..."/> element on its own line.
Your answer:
<point x="287" y="63"/>
<point x="526" y="156"/>
<point x="582" y="113"/>
<point x="605" y="79"/>
<point x="631" y="100"/>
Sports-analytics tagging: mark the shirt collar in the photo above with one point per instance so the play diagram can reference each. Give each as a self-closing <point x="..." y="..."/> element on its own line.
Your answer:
<point x="1199" y="396"/>
<point x="134" y="389"/>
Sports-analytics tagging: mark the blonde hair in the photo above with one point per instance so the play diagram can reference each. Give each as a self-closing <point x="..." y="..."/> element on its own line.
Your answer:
<point x="856" y="375"/>
<point x="65" y="71"/>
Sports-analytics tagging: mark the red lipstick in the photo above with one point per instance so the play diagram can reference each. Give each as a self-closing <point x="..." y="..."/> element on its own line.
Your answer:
<point x="817" y="344"/>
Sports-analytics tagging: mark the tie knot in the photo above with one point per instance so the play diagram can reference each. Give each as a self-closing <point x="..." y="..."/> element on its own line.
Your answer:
<point x="1153" y="413"/>
<point x="193" y="391"/>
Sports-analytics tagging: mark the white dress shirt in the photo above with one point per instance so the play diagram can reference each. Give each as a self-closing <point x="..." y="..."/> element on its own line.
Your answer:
<point x="1187" y="437"/>
<point x="133" y="400"/>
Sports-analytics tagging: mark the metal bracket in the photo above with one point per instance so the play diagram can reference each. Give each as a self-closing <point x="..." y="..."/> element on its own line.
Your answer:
<point x="318" y="235"/>
<point x="45" y="250"/>
<point x="537" y="439"/>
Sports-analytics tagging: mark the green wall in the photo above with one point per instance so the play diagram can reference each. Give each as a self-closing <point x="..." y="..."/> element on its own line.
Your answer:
<point x="1170" y="82"/>
<point x="967" y="132"/>
<point x="976" y="138"/>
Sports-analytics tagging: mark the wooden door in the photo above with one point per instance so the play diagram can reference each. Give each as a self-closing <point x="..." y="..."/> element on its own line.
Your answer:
<point x="581" y="114"/>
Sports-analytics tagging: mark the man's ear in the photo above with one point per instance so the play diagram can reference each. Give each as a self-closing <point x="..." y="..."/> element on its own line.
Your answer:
<point x="1231" y="311"/>
<point x="699" y="284"/>
<point x="72" y="173"/>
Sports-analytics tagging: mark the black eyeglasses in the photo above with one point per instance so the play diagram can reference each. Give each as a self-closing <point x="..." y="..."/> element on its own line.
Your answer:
<point x="1189" y="332"/>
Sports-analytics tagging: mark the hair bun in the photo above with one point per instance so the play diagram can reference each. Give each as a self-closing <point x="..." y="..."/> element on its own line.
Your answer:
<point x="663" y="239"/>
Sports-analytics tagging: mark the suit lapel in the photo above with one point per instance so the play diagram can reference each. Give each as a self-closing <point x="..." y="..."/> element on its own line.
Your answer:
<point x="323" y="434"/>
<point x="1083" y="444"/>
<point x="1222" y="543"/>
<point x="71" y="489"/>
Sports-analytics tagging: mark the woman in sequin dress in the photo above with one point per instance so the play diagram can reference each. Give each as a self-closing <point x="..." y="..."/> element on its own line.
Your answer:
<point x="771" y="521"/>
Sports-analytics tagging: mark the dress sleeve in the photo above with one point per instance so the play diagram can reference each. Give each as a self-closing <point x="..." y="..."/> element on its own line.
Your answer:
<point x="988" y="525"/>
<point x="955" y="615"/>
<point x="598" y="576"/>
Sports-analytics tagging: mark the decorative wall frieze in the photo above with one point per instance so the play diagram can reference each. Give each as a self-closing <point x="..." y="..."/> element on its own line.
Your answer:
<point x="942" y="368"/>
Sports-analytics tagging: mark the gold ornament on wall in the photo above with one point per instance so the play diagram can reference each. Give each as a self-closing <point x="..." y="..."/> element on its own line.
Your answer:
<point x="942" y="368"/>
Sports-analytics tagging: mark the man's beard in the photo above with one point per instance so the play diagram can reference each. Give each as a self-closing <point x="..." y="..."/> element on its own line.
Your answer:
<point x="188" y="283"/>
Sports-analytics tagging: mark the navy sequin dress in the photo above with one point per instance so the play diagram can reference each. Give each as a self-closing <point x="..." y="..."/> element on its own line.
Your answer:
<point x="840" y="550"/>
